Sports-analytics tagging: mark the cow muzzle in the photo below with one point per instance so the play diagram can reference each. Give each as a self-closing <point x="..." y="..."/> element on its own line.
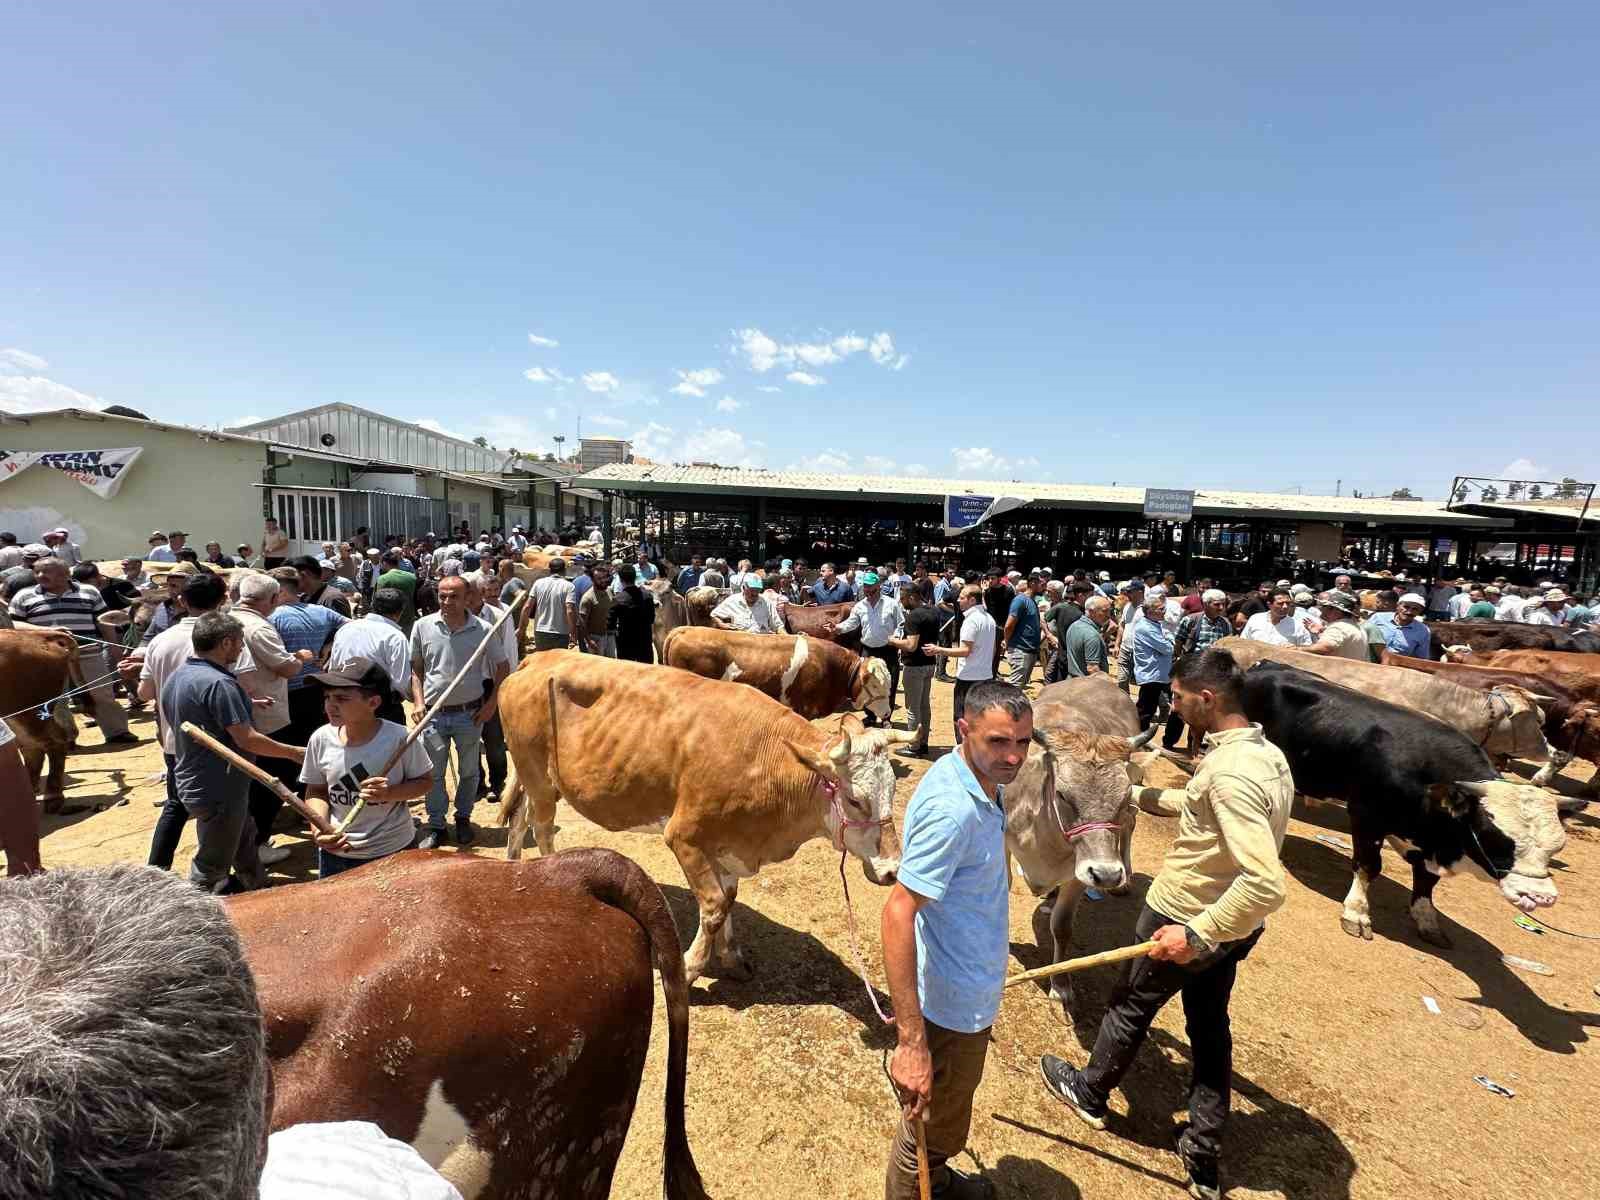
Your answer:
<point x="1106" y="875"/>
<point x="880" y="871"/>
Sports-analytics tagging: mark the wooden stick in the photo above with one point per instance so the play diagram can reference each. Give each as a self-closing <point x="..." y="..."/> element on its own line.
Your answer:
<point x="924" y="1181"/>
<point x="318" y="822"/>
<point x="1120" y="954"/>
<point x="418" y="726"/>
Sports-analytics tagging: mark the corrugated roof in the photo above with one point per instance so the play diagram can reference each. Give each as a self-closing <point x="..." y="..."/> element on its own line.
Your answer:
<point x="643" y="477"/>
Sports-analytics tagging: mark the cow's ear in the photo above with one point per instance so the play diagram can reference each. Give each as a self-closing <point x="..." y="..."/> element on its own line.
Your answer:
<point x="1447" y="798"/>
<point x="821" y="764"/>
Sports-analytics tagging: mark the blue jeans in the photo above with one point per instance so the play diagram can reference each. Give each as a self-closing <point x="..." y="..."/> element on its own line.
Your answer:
<point x="459" y="730"/>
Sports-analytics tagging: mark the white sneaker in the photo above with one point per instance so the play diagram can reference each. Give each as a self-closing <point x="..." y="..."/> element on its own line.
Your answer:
<point x="270" y="855"/>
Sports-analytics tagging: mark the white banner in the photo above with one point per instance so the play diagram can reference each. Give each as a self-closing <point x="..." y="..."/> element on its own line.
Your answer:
<point x="964" y="512"/>
<point x="100" y="471"/>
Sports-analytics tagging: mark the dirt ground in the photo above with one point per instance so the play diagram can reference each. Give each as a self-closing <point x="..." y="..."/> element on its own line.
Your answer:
<point x="1347" y="1086"/>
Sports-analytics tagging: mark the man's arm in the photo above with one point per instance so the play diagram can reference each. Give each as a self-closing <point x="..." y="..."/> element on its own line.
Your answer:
<point x="248" y="739"/>
<point x="911" y="1068"/>
<point x="1240" y="806"/>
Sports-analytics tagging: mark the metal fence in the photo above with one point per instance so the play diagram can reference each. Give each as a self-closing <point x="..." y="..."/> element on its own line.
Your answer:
<point x="386" y="513"/>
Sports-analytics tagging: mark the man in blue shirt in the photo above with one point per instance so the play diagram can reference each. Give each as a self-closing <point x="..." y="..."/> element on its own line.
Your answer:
<point x="1020" y="641"/>
<point x="303" y="626"/>
<point x="830" y="589"/>
<point x="689" y="577"/>
<point x="1409" y="633"/>
<point x="946" y="941"/>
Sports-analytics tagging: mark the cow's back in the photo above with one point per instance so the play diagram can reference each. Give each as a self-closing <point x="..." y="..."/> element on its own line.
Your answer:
<point x="1088" y="704"/>
<point x="33" y="672"/>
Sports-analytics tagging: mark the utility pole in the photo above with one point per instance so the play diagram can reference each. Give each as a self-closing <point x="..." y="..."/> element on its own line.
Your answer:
<point x="559" y="438"/>
<point x="1338" y="487"/>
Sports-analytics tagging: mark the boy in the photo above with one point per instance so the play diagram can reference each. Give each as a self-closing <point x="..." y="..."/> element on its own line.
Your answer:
<point x="342" y="762"/>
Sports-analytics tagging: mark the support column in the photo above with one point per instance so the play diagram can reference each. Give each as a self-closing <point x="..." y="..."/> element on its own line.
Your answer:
<point x="605" y="526"/>
<point x="759" y="541"/>
<point x="1186" y="551"/>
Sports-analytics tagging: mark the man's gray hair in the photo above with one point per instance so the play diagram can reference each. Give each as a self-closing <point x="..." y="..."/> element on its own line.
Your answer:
<point x="132" y="1058"/>
<point x="49" y="560"/>
<point x="255" y="588"/>
<point x="1213" y="596"/>
<point x="1099" y="602"/>
<point x="214" y="628"/>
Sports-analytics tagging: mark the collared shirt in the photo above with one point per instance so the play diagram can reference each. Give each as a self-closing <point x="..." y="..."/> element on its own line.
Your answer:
<point x="1413" y="639"/>
<point x="508" y="632"/>
<point x="162" y="553"/>
<point x="837" y="594"/>
<point x="162" y="618"/>
<point x="377" y="639"/>
<point x="550" y="598"/>
<point x="1222" y="876"/>
<point x="210" y="697"/>
<point x="877" y="622"/>
<point x="1540" y="615"/>
<point x="67" y="552"/>
<point x="689" y="577"/>
<point x="953" y="853"/>
<point x="978" y="629"/>
<point x="1291" y="631"/>
<point x="1025" y="633"/>
<point x="643" y="573"/>
<point x="74" y="610"/>
<point x="305" y="627"/>
<point x="1439" y="597"/>
<point x="352" y="1159"/>
<point x="750" y="618"/>
<point x="263" y="650"/>
<point x="946" y="589"/>
<point x="1085" y="646"/>
<point x="166" y="654"/>
<point x="1152" y="652"/>
<point x="1348" y="640"/>
<point x="1197" y="631"/>
<point x="438" y="653"/>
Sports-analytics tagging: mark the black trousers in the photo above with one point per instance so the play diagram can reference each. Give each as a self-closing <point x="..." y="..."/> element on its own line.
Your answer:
<point x="891" y="659"/>
<point x="169" y="825"/>
<point x="264" y="802"/>
<point x="494" y="750"/>
<point x="1150" y="695"/>
<point x="1206" y="984"/>
<point x="1174" y="730"/>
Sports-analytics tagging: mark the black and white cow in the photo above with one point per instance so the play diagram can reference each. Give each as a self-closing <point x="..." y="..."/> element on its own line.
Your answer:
<point x="1069" y="821"/>
<point x="1411" y="779"/>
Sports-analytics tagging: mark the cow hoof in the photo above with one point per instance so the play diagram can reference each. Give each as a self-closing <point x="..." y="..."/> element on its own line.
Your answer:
<point x="1435" y="937"/>
<point x="1357" y="927"/>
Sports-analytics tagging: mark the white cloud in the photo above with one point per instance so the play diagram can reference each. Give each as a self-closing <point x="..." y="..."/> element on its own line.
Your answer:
<point x="548" y="343"/>
<point x="13" y="357"/>
<point x="916" y="469"/>
<point x="728" y="404"/>
<point x="828" y="462"/>
<point x="601" y="381"/>
<point x="1526" y="468"/>
<point x="34" y="393"/>
<point x="716" y="443"/>
<point x="654" y="440"/>
<point x="769" y="389"/>
<point x="240" y="422"/>
<point x="883" y="353"/>
<point x="850" y="343"/>
<point x="806" y="378"/>
<point x="436" y="427"/>
<point x="980" y="460"/>
<point x="606" y="420"/>
<point x="695" y="383"/>
<point x="545" y="375"/>
<point x="876" y="464"/>
<point x="762" y="352"/>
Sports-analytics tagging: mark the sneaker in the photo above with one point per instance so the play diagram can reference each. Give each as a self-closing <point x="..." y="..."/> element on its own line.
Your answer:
<point x="464" y="831"/>
<point x="1205" y="1179"/>
<point x="269" y="855"/>
<point x="958" y="1185"/>
<point x="431" y="838"/>
<point x="1062" y="1082"/>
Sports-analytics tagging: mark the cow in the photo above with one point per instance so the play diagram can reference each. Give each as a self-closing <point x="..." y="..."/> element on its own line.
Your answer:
<point x="34" y="670"/>
<point x="494" y="1015"/>
<point x="812" y="677"/>
<point x="674" y="609"/>
<point x="1504" y="721"/>
<point x="732" y="779"/>
<point x="814" y="619"/>
<point x="1069" y="824"/>
<point x="1406" y="777"/>
<point x="1484" y="637"/>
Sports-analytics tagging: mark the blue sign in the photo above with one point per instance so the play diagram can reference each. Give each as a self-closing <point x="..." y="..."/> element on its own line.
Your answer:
<point x="1168" y="504"/>
<point x="965" y="512"/>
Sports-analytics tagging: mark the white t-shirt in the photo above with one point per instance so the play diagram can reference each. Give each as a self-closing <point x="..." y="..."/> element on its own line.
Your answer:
<point x="978" y="628"/>
<point x="381" y="828"/>
<point x="1459" y="603"/>
<point x="1291" y="631"/>
<point x="551" y="595"/>
<point x="1349" y="640"/>
<point x="748" y="618"/>
<point x="1510" y="608"/>
<point x="347" y="1160"/>
<point x="1540" y="615"/>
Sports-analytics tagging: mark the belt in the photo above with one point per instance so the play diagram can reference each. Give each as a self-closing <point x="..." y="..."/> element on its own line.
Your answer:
<point x="470" y="706"/>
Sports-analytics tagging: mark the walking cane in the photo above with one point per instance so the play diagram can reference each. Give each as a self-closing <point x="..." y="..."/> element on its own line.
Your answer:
<point x="1120" y="954"/>
<point x="419" y="726"/>
<point x="924" y="1181"/>
<point x="276" y="786"/>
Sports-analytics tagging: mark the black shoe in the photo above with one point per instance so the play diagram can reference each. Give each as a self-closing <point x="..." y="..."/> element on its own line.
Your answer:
<point x="490" y="795"/>
<point x="431" y="838"/>
<point x="128" y="738"/>
<point x="464" y="831"/>
<point x="912" y="750"/>
<point x="1062" y="1082"/>
<point x="960" y="1186"/>
<point x="1205" y="1179"/>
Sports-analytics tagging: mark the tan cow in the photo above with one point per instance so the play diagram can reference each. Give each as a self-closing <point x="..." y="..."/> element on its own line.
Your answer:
<point x="674" y="609"/>
<point x="1505" y="721"/>
<point x="34" y="670"/>
<point x="812" y="677"/>
<point x="732" y="778"/>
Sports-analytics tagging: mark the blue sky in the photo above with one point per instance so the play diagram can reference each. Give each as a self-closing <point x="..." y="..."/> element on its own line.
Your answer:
<point x="1249" y="245"/>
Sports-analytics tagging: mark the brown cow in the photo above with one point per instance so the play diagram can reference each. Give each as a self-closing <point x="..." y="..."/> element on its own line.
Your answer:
<point x="811" y="676"/>
<point x="1485" y="637"/>
<point x="814" y="619"/>
<point x="1561" y="673"/>
<point x="495" y="1016"/>
<point x="732" y="778"/>
<point x="673" y="610"/>
<point x="34" y="669"/>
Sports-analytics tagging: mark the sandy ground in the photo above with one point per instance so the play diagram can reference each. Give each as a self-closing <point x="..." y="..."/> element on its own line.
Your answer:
<point x="1346" y="1084"/>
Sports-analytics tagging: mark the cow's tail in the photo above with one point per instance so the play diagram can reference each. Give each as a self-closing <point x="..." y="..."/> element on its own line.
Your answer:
<point x="621" y="883"/>
<point x="514" y="794"/>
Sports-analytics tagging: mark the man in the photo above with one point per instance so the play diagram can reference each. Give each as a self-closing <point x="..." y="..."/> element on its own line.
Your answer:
<point x="715" y="574"/>
<point x="1279" y="625"/>
<point x="592" y="618"/>
<point x="1205" y="911"/>
<point x="56" y="602"/>
<point x="518" y="541"/>
<point x="204" y="692"/>
<point x="1483" y="604"/>
<point x="10" y="552"/>
<point x="160" y="549"/>
<point x="736" y="577"/>
<point x="1341" y="583"/>
<point x="946" y="941"/>
<point x="1305" y="608"/>
<point x="377" y="638"/>
<point x="169" y="608"/>
<point x="747" y="610"/>
<point x="633" y="615"/>
<point x="441" y="643"/>
<point x="1377" y="625"/>
<point x="1195" y="633"/>
<point x="898" y="579"/>
<point x="1019" y="640"/>
<point x="148" y="1077"/>
<point x="548" y="606"/>
<point x="1083" y="650"/>
<point x="1152" y="658"/>
<point x="1259" y="602"/>
<point x="689" y="577"/>
<point x="1551" y="609"/>
<point x="274" y="545"/>
<point x="394" y="575"/>
<point x="494" y="735"/>
<point x="830" y="589"/>
<point x="977" y="638"/>
<point x="1341" y="636"/>
<point x="1193" y="602"/>
<point x="119" y="593"/>
<point x="60" y="546"/>
<point x="878" y="617"/>
<point x="1463" y="600"/>
<point x="215" y="557"/>
<point x="313" y="576"/>
<point x="916" y="665"/>
<point x="1512" y="603"/>
<point x="1409" y="634"/>
<point x="643" y="572"/>
<point x="303" y="626"/>
<point x="1439" y="597"/>
<point x="1132" y="613"/>
<point x="997" y="597"/>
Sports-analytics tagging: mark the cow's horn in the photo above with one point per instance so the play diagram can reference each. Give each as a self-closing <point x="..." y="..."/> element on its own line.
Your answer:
<point x="841" y="752"/>
<point x="1542" y="699"/>
<point x="902" y="735"/>
<point x="1474" y="787"/>
<point x="1142" y="740"/>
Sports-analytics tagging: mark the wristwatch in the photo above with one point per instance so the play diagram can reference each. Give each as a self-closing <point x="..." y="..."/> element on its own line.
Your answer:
<point x="1197" y="943"/>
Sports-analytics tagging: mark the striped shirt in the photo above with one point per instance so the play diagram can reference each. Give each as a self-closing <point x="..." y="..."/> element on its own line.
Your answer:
<point x="305" y="627"/>
<point x="73" y="610"/>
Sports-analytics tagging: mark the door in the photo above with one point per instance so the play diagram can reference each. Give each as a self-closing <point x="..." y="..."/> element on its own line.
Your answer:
<point x="308" y="519"/>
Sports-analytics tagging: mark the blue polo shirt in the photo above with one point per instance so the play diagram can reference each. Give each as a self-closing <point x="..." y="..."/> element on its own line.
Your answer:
<point x="1025" y="634"/>
<point x="954" y="854"/>
<point x="837" y="594"/>
<point x="1412" y="639"/>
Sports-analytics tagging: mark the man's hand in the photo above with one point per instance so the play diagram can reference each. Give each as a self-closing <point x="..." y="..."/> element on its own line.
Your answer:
<point x="418" y="711"/>
<point x="1172" y="945"/>
<point x="829" y="626"/>
<point x="333" y="843"/>
<point x="305" y="656"/>
<point x="911" y="1068"/>
<point x="375" y="789"/>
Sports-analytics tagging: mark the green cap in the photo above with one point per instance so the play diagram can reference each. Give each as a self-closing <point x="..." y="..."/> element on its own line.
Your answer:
<point x="753" y="582"/>
<point x="870" y="579"/>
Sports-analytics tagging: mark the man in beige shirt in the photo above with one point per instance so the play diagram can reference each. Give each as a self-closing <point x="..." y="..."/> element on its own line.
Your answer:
<point x="1205" y="911"/>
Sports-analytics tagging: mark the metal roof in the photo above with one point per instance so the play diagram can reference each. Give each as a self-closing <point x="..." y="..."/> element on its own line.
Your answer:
<point x="735" y="481"/>
<point x="374" y="437"/>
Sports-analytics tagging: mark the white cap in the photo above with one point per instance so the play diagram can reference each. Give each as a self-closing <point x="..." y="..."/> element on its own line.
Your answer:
<point x="1413" y="598"/>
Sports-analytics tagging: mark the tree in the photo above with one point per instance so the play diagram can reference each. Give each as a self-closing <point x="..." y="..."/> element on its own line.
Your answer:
<point x="1402" y="494"/>
<point x="480" y="440"/>
<point x="1568" y="488"/>
<point x="1535" y="492"/>
<point x="1461" y="493"/>
<point x="1491" y="493"/>
<point x="1514" y="491"/>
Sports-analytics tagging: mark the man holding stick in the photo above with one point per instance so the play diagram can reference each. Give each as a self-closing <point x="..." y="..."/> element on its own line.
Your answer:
<point x="945" y="939"/>
<point x="1205" y="911"/>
